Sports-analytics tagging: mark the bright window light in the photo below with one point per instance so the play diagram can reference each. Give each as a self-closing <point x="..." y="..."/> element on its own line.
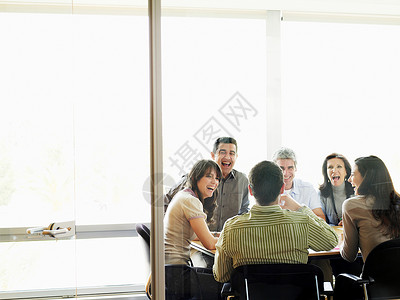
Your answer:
<point x="340" y="93"/>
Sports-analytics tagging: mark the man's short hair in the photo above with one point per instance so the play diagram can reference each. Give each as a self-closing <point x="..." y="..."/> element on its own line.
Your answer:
<point x="224" y="140"/>
<point x="285" y="153"/>
<point x="266" y="181"/>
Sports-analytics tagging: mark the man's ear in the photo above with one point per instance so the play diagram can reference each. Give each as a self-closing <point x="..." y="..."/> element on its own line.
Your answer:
<point x="282" y="188"/>
<point x="213" y="155"/>
<point x="250" y="190"/>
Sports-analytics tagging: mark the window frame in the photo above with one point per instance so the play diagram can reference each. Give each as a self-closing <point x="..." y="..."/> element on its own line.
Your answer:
<point x="273" y="102"/>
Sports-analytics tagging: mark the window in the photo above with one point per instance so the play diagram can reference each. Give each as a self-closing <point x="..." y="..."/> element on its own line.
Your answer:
<point x="75" y="147"/>
<point x="340" y="91"/>
<point x="214" y="84"/>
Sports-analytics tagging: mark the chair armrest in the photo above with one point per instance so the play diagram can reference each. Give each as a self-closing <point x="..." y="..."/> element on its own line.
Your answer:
<point x="226" y="290"/>
<point x="355" y="279"/>
<point x="350" y="287"/>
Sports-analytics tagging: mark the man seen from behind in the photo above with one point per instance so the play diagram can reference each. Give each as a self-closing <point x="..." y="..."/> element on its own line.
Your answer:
<point x="272" y="232"/>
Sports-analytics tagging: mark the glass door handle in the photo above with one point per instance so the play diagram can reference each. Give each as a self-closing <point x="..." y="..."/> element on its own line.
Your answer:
<point x="35" y="230"/>
<point x="52" y="230"/>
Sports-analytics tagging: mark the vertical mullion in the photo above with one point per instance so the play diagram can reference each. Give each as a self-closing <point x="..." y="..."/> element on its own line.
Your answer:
<point x="274" y="98"/>
<point x="157" y="208"/>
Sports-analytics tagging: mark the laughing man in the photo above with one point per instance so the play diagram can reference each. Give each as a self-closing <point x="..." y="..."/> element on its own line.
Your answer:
<point x="232" y="191"/>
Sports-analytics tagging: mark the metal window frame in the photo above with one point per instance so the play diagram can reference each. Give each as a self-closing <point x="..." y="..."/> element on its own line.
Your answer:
<point x="18" y="234"/>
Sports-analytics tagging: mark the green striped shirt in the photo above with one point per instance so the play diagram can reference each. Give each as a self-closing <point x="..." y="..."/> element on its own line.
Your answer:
<point x="270" y="235"/>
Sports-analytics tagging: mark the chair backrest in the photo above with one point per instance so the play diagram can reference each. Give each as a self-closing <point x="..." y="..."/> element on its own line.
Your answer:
<point x="183" y="282"/>
<point x="144" y="232"/>
<point x="383" y="265"/>
<point x="278" y="281"/>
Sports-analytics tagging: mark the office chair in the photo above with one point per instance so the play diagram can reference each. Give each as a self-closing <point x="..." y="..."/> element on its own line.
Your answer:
<point x="380" y="276"/>
<point x="275" y="281"/>
<point x="181" y="281"/>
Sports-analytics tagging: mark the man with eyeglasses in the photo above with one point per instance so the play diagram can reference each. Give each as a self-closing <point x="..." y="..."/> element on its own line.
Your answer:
<point x="232" y="192"/>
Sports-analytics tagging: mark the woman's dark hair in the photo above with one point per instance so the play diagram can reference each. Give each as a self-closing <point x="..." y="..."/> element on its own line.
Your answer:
<point x="199" y="169"/>
<point x="378" y="183"/>
<point x="326" y="187"/>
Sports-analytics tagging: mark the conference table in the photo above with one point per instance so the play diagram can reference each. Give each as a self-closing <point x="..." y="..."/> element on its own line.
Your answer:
<point x="334" y="253"/>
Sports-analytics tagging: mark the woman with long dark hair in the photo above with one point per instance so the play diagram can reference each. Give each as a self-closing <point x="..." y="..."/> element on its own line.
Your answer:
<point x="189" y="212"/>
<point x="186" y="219"/>
<point x="373" y="215"/>
<point x="335" y="189"/>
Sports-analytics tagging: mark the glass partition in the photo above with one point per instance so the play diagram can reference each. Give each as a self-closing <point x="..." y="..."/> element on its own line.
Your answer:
<point x="75" y="147"/>
<point x="37" y="154"/>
